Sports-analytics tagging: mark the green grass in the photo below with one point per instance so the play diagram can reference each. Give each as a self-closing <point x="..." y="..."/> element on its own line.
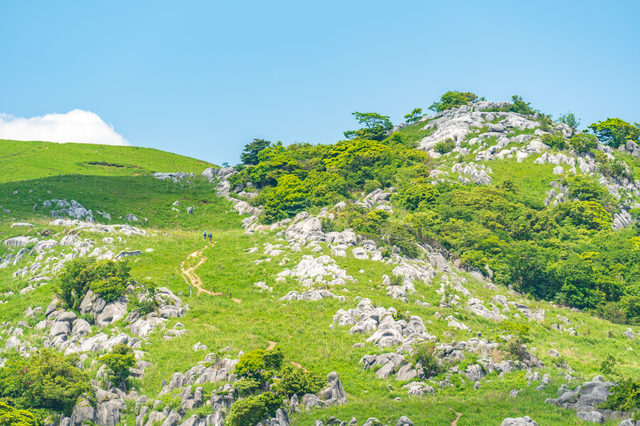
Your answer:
<point x="21" y="160"/>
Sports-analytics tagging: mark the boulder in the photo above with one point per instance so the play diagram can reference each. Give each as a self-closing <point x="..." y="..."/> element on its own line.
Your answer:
<point x="519" y="421"/>
<point x="81" y="412"/>
<point x="112" y="312"/>
<point x="591" y="416"/>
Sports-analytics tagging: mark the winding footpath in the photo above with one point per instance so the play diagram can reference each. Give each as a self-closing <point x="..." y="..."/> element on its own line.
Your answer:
<point x="192" y="279"/>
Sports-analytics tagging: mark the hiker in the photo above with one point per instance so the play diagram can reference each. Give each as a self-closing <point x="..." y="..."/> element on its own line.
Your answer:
<point x="210" y="237"/>
<point x="204" y="236"/>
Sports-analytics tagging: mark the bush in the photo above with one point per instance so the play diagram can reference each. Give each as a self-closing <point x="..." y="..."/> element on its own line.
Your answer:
<point x="518" y="337"/>
<point x="47" y="380"/>
<point x="371" y="185"/>
<point x="259" y="364"/>
<point x="295" y="381"/>
<point x="445" y="146"/>
<point x="556" y="141"/>
<point x="454" y="99"/>
<point x="583" y="142"/>
<point x="413" y="197"/>
<point x="10" y="416"/>
<point x="520" y="106"/>
<point x="250" y="411"/>
<point x="119" y="361"/>
<point x="246" y="386"/>
<point x="424" y="353"/>
<point x="107" y="278"/>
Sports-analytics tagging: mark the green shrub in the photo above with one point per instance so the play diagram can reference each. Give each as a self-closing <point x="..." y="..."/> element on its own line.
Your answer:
<point x="556" y="141"/>
<point x="119" y="361"/>
<point x="107" y="278"/>
<point x="10" y="416"/>
<point x="583" y="142"/>
<point x="246" y="386"/>
<point x="47" y="380"/>
<point x="413" y="116"/>
<point x="371" y="185"/>
<point x="520" y="106"/>
<point x="295" y="381"/>
<point x="424" y="353"/>
<point x="445" y="146"/>
<point x="249" y="411"/>
<point x="454" y="99"/>
<point x="259" y="364"/>
<point x="517" y="336"/>
<point x="413" y="197"/>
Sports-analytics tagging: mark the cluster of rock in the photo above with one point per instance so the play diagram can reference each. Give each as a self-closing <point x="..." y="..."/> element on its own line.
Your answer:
<point x="371" y="421"/>
<point x="107" y="410"/>
<point x="312" y="295"/>
<point x="73" y="209"/>
<point x="93" y="227"/>
<point x="478" y="173"/>
<point x="315" y="270"/>
<point x="458" y="123"/>
<point x="586" y="397"/>
<point x="377" y="199"/>
<point x="220" y="176"/>
<point x="387" y="331"/>
<point x="176" y="177"/>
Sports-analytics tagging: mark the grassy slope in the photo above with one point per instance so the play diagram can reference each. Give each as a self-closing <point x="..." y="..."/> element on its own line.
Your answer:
<point x="31" y="160"/>
<point x="300" y="328"/>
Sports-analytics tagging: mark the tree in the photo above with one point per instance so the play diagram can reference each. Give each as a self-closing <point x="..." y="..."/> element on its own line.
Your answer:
<point x="570" y="120"/>
<point x="376" y="126"/>
<point x="414" y="116"/>
<point x="250" y="154"/>
<point x="259" y="364"/>
<point x="119" y="361"/>
<point x="615" y="132"/>
<point x="454" y="99"/>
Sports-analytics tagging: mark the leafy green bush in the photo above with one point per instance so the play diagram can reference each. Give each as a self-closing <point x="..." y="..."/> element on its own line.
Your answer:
<point x="424" y="353"/>
<point x="454" y="99"/>
<point x="371" y="185"/>
<point x="520" y="106"/>
<point x="295" y="381"/>
<point x="445" y="146"/>
<point x="107" y="278"/>
<point x="119" y="361"/>
<point x="250" y="411"/>
<point x="418" y="197"/>
<point x="246" y="386"/>
<point x="556" y="141"/>
<point x="47" y="380"/>
<point x="10" y="416"/>
<point x="259" y="364"/>
<point x="583" y="142"/>
<point x="517" y="336"/>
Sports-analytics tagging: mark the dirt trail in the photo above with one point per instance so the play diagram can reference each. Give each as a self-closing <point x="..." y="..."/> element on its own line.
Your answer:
<point x="191" y="278"/>
<point x="271" y="345"/>
<point x="455" y="422"/>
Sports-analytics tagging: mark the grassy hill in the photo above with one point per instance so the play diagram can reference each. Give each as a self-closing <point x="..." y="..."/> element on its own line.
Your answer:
<point x="430" y="211"/>
<point x="20" y="160"/>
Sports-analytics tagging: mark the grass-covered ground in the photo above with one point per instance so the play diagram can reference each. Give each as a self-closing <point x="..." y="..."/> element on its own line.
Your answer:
<point x="21" y="160"/>
<point x="300" y="328"/>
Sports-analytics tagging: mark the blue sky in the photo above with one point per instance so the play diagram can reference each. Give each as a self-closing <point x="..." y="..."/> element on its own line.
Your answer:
<point x="204" y="78"/>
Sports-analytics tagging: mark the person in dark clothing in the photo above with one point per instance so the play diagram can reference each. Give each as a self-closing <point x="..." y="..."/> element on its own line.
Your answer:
<point x="210" y="237"/>
<point x="204" y="236"/>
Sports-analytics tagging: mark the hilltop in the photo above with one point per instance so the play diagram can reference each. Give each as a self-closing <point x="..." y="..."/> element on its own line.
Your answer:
<point x="409" y="274"/>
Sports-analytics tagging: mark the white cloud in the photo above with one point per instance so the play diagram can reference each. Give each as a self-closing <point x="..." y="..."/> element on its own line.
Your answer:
<point x="75" y="126"/>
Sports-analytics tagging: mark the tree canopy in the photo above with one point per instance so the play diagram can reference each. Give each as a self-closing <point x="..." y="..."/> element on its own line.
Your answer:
<point x="615" y="132"/>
